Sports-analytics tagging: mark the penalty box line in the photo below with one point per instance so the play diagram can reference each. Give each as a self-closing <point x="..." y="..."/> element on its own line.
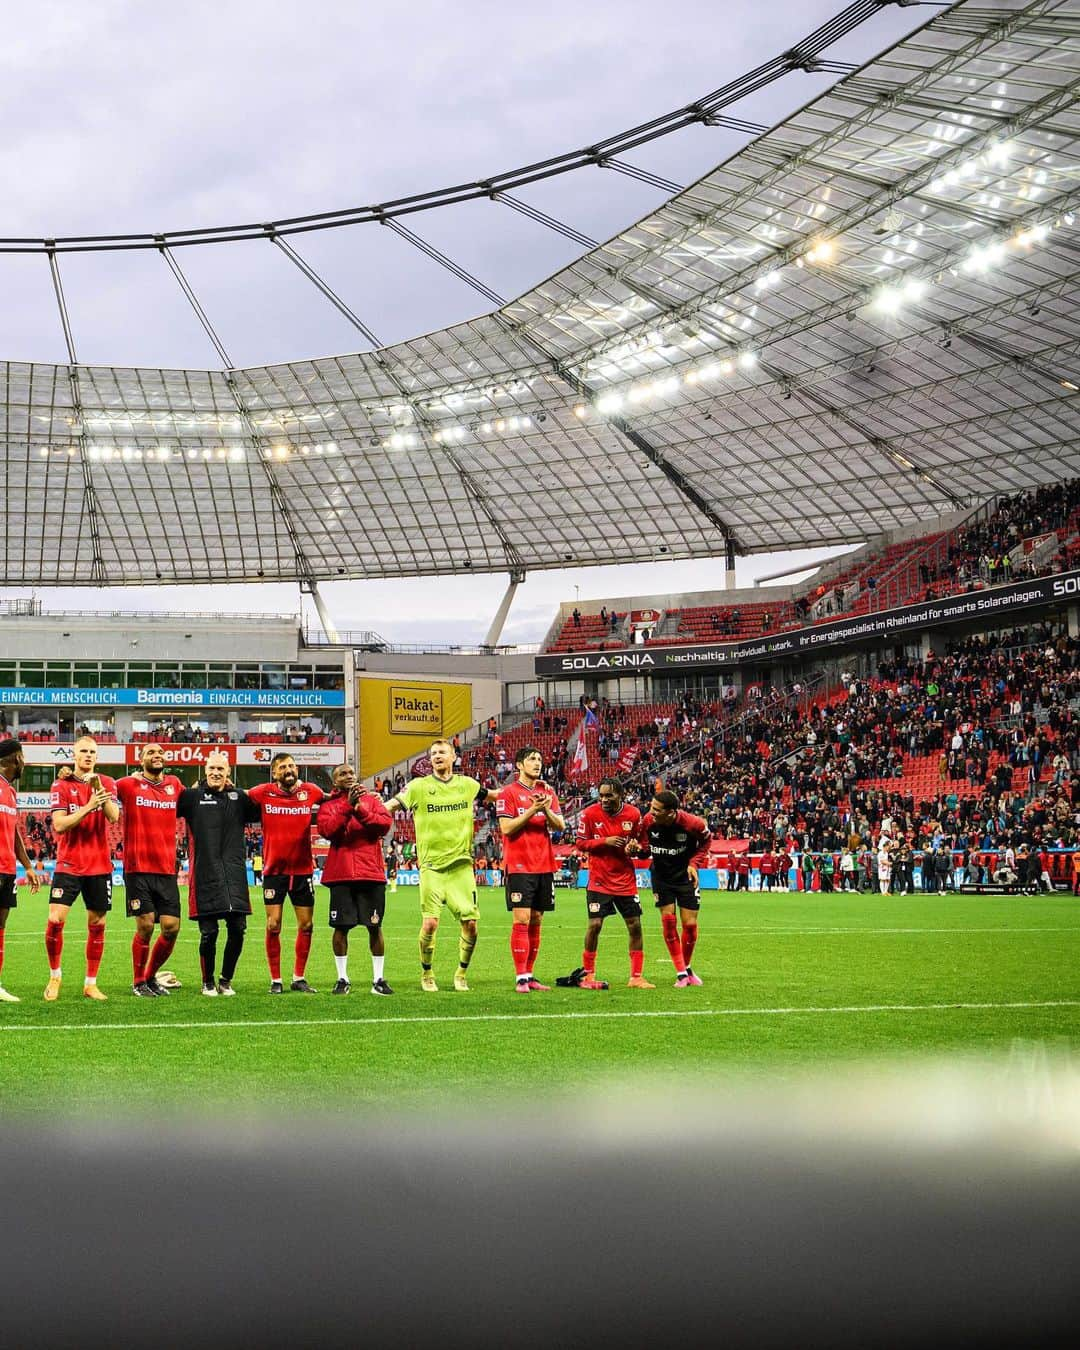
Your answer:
<point x="862" y="1009"/>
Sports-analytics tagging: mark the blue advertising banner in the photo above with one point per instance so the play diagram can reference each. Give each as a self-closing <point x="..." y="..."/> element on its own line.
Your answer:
<point x="172" y="698"/>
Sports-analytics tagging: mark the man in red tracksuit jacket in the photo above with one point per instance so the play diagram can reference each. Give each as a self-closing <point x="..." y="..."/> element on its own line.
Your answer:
<point x="355" y="822"/>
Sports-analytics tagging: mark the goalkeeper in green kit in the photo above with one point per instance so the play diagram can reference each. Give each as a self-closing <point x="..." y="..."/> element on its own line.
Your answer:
<point x="442" y="811"/>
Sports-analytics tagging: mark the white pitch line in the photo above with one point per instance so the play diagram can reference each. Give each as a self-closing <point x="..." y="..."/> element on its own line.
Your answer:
<point x="809" y="932"/>
<point x="852" y="1009"/>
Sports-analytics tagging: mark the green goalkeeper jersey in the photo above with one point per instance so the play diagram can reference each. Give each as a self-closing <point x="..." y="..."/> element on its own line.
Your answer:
<point x="443" y="815"/>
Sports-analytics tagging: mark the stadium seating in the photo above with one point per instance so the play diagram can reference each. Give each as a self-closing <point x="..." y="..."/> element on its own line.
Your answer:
<point x="928" y="566"/>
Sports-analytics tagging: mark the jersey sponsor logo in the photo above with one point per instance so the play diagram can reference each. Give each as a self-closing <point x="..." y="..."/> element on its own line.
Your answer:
<point x="155" y="803"/>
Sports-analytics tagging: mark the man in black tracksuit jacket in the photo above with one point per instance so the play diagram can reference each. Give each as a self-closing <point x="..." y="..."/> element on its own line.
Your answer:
<point x="216" y="812"/>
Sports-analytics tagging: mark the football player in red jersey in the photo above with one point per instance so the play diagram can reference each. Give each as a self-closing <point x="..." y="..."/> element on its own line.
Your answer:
<point x="677" y="844"/>
<point x="12" y="844"/>
<point x="528" y="811"/>
<point x="83" y="807"/>
<point x="606" y="830"/>
<point x="288" y="809"/>
<point x="148" y="816"/>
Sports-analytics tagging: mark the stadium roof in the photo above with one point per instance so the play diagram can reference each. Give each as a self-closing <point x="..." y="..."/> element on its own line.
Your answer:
<point x="867" y="317"/>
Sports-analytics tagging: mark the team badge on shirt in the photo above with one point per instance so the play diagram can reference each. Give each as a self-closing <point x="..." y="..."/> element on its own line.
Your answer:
<point x="628" y="824"/>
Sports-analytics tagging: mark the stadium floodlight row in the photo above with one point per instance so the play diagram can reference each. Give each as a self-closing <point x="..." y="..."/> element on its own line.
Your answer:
<point x="865" y="318"/>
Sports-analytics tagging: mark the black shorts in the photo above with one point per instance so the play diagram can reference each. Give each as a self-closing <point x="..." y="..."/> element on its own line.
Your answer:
<point x="96" y="891"/>
<point x="8" y="899"/>
<point x="530" y="890"/>
<point x="151" y="893"/>
<point x="686" y="897"/>
<point x="356" y="903"/>
<point x="602" y="906"/>
<point x="298" y="889"/>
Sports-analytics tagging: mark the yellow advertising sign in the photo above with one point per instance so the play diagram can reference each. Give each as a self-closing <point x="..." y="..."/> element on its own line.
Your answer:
<point x="400" y="718"/>
<point x="415" y="711"/>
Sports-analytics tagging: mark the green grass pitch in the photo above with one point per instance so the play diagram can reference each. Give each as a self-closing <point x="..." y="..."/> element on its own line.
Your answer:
<point x="790" y="981"/>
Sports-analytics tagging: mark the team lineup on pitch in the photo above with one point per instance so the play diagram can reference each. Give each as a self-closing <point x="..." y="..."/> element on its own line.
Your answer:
<point x="734" y="980"/>
<point x="151" y="803"/>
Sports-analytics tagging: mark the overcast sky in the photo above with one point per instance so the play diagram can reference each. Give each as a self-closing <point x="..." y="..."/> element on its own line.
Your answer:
<point x="123" y="117"/>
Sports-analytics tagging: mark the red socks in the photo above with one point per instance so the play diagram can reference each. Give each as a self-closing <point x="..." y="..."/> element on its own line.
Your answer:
<point x="95" y="946"/>
<point x="588" y="960"/>
<point x="519" y="947"/>
<point x="162" y="947"/>
<point x="273" y="954"/>
<point x="689" y="938"/>
<point x="534" y="945"/>
<point x="54" y="942"/>
<point x="637" y="964"/>
<point x="140" y="954"/>
<point x="303" y="949"/>
<point x="670" y="926"/>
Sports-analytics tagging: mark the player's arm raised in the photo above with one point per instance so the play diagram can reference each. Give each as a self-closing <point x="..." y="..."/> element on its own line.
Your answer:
<point x="372" y="814"/>
<point x="333" y="816"/>
<point x="554" y="815"/>
<point x="62" y="821"/>
<point x="512" y="825"/>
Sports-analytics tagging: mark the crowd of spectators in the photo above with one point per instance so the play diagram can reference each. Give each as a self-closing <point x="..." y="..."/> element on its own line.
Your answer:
<point x="996" y="550"/>
<point x="995" y="719"/>
<point x="998" y="719"/>
<point x="989" y="552"/>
